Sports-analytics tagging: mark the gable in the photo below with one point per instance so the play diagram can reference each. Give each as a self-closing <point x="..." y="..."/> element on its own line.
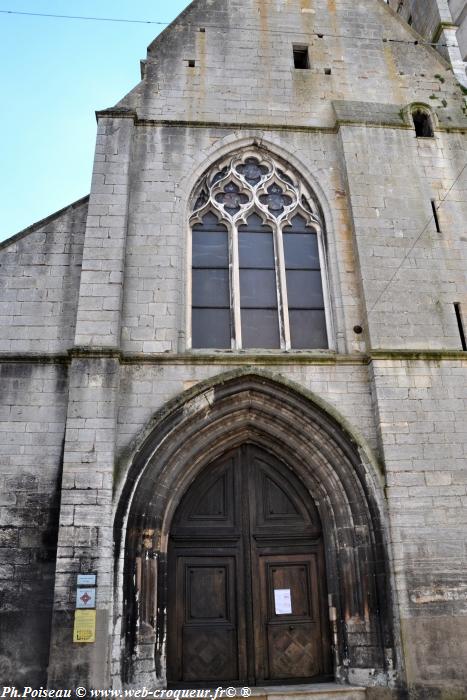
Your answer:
<point x="244" y="69"/>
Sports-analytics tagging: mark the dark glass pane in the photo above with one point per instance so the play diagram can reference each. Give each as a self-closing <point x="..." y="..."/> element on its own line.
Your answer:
<point x="298" y="225"/>
<point x="255" y="224"/>
<point x="308" y="329"/>
<point x="211" y="288"/>
<point x="210" y="249"/>
<point x="210" y="223"/>
<point x="258" y="289"/>
<point x="260" y="328"/>
<point x="211" y="328"/>
<point x="286" y="178"/>
<point x="304" y="289"/>
<point x="301" y="251"/>
<point x="218" y="176"/>
<point x="256" y="250"/>
<point x="201" y="201"/>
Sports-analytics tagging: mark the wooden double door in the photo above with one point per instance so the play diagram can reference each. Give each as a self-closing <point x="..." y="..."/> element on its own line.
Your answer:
<point x="246" y="580"/>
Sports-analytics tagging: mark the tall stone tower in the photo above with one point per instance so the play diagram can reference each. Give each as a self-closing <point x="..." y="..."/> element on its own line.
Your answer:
<point x="234" y="378"/>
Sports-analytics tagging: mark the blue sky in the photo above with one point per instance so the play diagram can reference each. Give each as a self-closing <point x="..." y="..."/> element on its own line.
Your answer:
<point x="54" y="74"/>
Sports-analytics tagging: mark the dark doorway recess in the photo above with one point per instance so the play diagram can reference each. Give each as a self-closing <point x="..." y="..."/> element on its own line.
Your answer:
<point x="246" y="577"/>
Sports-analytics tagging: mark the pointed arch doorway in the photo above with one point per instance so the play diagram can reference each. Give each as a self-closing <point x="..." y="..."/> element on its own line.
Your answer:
<point x="247" y="599"/>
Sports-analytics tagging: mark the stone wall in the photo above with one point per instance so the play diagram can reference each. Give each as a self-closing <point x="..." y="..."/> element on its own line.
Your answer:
<point x="425" y="16"/>
<point x="145" y="388"/>
<point x="168" y="163"/>
<point x="39" y="287"/>
<point x="32" y="427"/>
<point x="72" y="422"/>
<point x="345" y="37"/>
<point x="40" y="272"/>
<point x="412" y="274"/>
<point x="422" y="409"/>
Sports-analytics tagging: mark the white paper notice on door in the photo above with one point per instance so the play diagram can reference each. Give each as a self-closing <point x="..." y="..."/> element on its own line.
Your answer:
<point x="283" y="601"/>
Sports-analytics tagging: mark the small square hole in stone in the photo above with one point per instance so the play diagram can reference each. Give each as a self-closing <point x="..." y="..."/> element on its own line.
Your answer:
<point x="327" y="71"/>
<point x="191" y="63"/>
<point x="202" y="30"/>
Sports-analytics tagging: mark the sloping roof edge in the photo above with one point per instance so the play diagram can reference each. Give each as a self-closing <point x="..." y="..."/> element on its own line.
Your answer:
<point x="161" y="36"/>
<point x="39" y="224"/>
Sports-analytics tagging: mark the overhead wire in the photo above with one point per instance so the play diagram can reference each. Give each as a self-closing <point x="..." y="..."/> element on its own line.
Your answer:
<point x="318" y="34"/>
<point x="81" y="17"/>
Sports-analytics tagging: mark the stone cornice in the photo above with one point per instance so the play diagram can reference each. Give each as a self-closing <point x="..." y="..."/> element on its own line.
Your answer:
<point x="440" y="29"/>
<point x="407" y="355"/>
<point x="366" y="122"/>
<point x="95" y="351"/>
<point x="236" y="359"/>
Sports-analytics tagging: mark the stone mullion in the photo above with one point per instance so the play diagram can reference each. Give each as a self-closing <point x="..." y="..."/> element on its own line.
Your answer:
<point x="235" y="287"/>
<point x="281" y="281"/>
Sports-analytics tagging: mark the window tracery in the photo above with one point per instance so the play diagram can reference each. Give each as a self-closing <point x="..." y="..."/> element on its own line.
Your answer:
<point x="257" y="258"/>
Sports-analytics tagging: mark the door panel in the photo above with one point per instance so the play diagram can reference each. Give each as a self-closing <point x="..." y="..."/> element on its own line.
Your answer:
<point x="290" y="614"/>
<point x="293" y="652"/>
<point x="209" y="655"/>
<point x="276" y="501"/>
<point x="209" y="629"/>
<point x="246" y="577"/>
<point x="211" y="503"/>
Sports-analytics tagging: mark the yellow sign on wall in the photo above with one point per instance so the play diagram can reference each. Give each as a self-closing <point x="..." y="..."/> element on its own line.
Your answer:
<point x="84" y="631"/>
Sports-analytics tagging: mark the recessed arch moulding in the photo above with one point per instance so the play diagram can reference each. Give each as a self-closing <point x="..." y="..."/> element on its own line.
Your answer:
<point x="337" y="472"/>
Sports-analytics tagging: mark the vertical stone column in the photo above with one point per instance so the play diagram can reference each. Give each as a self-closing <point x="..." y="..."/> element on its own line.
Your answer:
<point x="100" y="295"/>
<point x="451" y="51"/>
<point x="85" y="541"/>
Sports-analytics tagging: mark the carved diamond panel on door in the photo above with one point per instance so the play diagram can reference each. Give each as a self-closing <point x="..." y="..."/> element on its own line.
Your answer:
<point x="210" y="655"/>
<point x="293" y="652"/>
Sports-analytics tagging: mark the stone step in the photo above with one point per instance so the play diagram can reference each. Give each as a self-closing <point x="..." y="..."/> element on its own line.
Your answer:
<point x="317" y="691"/>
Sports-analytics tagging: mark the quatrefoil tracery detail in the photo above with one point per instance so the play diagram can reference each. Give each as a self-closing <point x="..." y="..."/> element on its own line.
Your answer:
<point x="252" y="181"/>
<point x="275" y="200"/>
<point x="231" y="198"/>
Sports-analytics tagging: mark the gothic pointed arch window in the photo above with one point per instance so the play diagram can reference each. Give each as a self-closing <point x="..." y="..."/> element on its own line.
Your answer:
<point x="257" y="259"/>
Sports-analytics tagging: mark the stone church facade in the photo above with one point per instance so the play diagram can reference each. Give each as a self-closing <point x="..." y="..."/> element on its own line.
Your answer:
<point x="234" y="377"/>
